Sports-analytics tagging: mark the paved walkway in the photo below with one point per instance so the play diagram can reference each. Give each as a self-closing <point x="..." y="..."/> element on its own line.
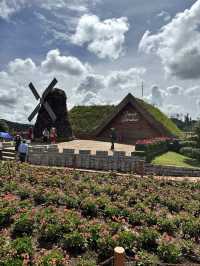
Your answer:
<point x="95" y="146"/>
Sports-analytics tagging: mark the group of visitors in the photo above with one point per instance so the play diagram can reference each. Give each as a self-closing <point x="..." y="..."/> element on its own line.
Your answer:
<point x="49" y="136"/>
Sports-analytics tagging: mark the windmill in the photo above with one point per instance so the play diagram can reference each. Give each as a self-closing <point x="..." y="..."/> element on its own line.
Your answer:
<point x="43" y="102"/>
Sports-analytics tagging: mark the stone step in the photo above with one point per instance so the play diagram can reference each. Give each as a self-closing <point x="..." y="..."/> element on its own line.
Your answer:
<point x="9" y="149"/>
<point x="8" y="154"/>
<point x="7" y="158"/>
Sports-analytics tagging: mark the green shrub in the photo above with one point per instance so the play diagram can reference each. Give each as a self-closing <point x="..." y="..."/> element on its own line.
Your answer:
<point x="53" y="258"/>
<point x="23" y="245"/>
<point x="23" y="225"/>
<point x="186" y="151"/>
<point x="191" y="228"/>
<point x="188" y="143"/>
<point x="74" y="241"/>
<point x="146" y="259"/>
<point x="167" y="225"/>
<point x="127" y="240"/>
<point x="6" y="214"/>
<point x="148" y="239"/>
<point x="136" y="218"/>
<point x="169" y="252"/>
<point x="50" y="232"/>
<point x="89" y="206"/>
<point x="12" y="262"/>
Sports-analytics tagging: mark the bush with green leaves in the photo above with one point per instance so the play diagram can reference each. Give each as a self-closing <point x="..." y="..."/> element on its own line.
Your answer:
<point x="74" y="241"/>
<point x="167" y="225"/>
<point x="169" y="252"/>
<point x="127" y="240"/>
<point x="23" y="245"/>
<point x="23" y="225"/>
<point x="145" y="258"/>
<point x="148" y="239"/>
<point x="53" y="258"/>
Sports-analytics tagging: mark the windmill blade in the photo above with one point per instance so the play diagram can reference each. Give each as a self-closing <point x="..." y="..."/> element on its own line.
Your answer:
<point x="49" y="88"/>
<point x="50" y="111"/>
<point x="30" y="118"/>
<point x="33" y="89"/>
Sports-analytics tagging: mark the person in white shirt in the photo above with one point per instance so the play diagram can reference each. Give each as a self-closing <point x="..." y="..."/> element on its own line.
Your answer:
<point x="23" y="151"/>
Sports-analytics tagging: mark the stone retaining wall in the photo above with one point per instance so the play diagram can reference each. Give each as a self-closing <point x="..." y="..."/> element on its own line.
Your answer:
<point x="161" y="170"/>
<point x="50" y="156"/>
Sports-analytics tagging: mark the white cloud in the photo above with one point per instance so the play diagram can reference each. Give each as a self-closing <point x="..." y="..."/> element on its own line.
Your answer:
<point x="91" y="83"/>
<point x="9" y="7"/>
<point x="164" y="15"/>
<point x="174" y="90"/>
<point x="103" y="38"/>
<point x="193" y="91"/>
<point x="177" y="44"/>
<point x="20" y="65"/>
<point x="157" y="96"/>
<point x="54" y="62"/>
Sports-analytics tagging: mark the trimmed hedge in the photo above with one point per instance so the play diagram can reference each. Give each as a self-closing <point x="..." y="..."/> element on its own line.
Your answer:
<point x="191" y="152"/>
<point x="152" y="147"/>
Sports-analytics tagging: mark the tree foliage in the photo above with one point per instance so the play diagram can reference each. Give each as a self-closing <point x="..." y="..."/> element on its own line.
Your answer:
<point x="3" y="126"/>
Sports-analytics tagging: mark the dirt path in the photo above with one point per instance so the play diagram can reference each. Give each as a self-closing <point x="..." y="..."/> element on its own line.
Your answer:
<point x="95" y="146"/>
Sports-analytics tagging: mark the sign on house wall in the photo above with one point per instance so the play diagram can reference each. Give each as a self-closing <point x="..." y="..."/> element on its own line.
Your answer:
<point x="130" y="117"/>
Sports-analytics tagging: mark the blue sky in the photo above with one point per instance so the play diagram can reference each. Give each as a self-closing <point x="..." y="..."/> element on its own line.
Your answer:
<point x="100" y="50"/>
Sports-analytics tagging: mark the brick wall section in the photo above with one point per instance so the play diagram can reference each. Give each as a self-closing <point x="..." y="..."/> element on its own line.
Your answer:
<point x="129" y="132"/>
<point x="50" y="156"/>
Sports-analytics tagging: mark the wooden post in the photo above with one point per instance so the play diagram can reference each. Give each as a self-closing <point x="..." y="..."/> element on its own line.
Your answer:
<point x="119" y="256"/>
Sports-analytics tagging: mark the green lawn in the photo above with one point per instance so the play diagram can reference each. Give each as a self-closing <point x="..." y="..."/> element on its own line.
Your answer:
<point x="173" y="158"/>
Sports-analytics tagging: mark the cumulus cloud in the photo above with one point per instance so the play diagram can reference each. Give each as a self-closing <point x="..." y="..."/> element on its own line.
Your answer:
<point x="157" y="96"/>
<point x="20" y="65"/>
<point x="91" y="83"/>
<point x="54" y="62"/>
<point x="103" y="38"/>
<point x="91" y="99"/>
<point x="174" y="90"/>
<point x="10" y="7"/>
<point x="177" y="44"/>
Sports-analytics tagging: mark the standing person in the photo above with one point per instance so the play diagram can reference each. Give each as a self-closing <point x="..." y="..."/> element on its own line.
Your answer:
<point x="45" y="134"/>
<point x="23" y="151"/>
<point x="17" y="140"/>
<point x="53" y="135"/>
<point x="1" y="149"/>
<point x="113" y="137"/>
<point x="30" y="134"/>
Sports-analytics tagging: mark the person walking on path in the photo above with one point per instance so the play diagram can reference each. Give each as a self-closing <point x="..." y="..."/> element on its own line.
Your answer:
<point x="23" y="151"/>
<point x="113" y="137"/>
<point x="45" y="134"/>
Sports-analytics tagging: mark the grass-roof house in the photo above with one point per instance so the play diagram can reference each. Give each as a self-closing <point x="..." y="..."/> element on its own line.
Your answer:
<point x="133" y="119"/>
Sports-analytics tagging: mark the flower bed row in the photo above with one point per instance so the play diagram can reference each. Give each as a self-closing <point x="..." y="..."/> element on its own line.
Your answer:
<point x="54" y="217"/>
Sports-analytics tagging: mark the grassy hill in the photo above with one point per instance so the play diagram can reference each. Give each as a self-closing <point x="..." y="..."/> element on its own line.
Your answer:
<point x="88" y="118"/>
